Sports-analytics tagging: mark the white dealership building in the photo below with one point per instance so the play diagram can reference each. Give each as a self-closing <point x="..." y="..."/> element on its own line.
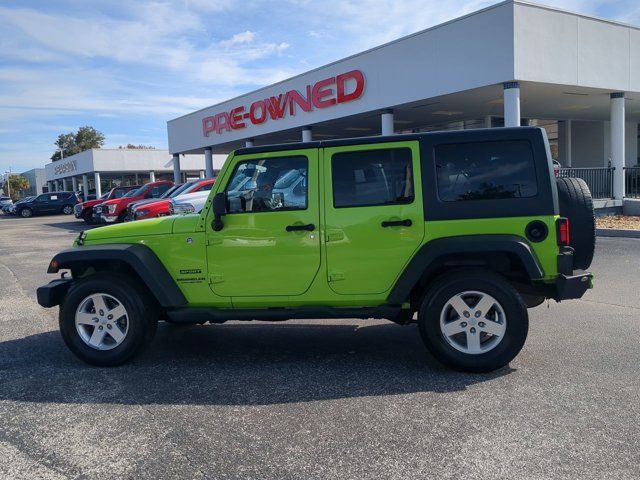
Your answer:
<point x="515" y="63"/>
<point x="99" y="169"/>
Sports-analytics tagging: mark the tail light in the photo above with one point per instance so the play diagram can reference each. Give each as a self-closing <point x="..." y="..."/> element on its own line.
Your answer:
<point x="563" y="232"/>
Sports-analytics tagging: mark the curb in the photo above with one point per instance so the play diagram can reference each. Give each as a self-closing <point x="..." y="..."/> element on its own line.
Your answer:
<point x="611" y="232"/>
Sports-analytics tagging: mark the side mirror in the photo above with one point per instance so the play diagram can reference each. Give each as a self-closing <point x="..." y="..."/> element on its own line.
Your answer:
<point x="219" y="210"/>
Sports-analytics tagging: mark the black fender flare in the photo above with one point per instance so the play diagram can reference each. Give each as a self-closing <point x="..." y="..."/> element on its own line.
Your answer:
<point x="430" y="252"/>
<point x="140" y="258"/>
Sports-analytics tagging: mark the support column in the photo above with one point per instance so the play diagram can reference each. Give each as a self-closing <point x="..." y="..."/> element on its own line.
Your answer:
<point x="177" y="177"/>
<point x="152" y="176"/>
<point x="386" y="122"/>
<point x="564" y="142"/>
<point x="50" y="186"/>
<point x="202" y="174"/>
<point x="85" y="186"/>
<point x="617" y="143"/>
<point x="96" y="180"/>
<point x="511" y="104"/>
<point x="307" y="134"/>
<point x="74" y="184"/>
<point x="208" y="162"/>
<point x="249" y="143"/>
<point x="488" y="121"/>
<point x="137" y="179"/>
<point x="64" y="184"/>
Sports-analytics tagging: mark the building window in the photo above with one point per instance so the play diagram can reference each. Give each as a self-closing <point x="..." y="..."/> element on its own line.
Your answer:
<point x="372" y="177"/>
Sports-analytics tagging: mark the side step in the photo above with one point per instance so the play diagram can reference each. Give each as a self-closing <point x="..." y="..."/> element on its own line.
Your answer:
<point x="221" y="315"/>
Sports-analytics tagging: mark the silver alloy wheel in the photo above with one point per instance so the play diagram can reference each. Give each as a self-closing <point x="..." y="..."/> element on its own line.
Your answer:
<point x="102" y="321"/>
<point x="67" y="210"/>
<point x="26" y="212"/>
<point x="473" y="322"/>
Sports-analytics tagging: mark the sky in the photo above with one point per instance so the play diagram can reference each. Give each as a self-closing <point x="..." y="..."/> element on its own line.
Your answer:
<point x="127" y="67"/>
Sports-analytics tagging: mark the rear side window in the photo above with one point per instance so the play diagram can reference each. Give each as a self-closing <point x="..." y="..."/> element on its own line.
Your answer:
<point x="485" y="170"/>
<point x="372" y="177"/>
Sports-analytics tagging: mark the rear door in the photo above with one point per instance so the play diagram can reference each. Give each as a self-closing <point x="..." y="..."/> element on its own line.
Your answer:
<point x="374" y="214"/>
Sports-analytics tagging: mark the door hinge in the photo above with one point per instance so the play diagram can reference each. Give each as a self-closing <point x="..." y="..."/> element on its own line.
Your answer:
<point x="216" y="278"/>
<point x="336" y="276"/>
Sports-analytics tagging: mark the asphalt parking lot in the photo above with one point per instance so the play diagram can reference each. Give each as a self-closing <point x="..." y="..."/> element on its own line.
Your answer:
<point x="318" y="399"/>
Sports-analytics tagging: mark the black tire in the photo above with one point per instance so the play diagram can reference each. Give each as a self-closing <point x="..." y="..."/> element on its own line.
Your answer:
<point x="67" y="209"/>
<point x="87" y="216"/>
<point x="26" y="212"/>
<point x="142" y="317"/>
<point x="576" y="204"/>
<point x="487" y="282"/>
<point x="122" y="217"/>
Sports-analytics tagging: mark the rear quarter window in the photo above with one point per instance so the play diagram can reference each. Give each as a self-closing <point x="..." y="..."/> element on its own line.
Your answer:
<point x="488" y="170"/>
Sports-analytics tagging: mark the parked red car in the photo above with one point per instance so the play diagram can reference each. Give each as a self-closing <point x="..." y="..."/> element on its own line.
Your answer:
<point x="160" y="208"/>
<point x="116" y="210"/>
<point x="84" y="210"/>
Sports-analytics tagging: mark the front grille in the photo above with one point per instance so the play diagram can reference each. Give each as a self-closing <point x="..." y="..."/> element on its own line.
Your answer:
<point x="97" y="209"/>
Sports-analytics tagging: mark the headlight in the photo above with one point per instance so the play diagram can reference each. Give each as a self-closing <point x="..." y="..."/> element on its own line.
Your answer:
<point x="180" y="208"/>
<point x="112" y="209"/>
<point x="141" y="213"/>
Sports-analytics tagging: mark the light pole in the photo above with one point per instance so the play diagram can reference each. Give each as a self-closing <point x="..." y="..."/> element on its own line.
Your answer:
<point x="8" y="174"/>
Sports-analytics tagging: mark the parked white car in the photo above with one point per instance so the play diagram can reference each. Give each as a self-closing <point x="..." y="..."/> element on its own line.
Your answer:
<point x="188" y="203"/>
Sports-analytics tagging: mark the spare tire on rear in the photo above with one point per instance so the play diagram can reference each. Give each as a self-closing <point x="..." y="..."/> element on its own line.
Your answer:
<point x="576" y="204"/>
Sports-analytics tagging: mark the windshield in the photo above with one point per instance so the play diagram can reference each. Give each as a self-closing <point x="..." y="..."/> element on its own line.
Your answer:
<point x="135" y="193"/>
<point x="176" y="190"/>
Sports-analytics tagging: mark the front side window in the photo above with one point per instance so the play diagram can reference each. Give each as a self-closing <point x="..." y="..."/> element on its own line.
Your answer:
<point x="485" y="170"/>
<point x="267" y="185"/>
<point x="372" y="177"/>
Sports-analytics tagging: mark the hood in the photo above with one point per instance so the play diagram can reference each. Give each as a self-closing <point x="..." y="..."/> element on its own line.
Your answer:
<point x="141" y="229"/>
<point x="91" y="203"/>
<point x="143" y="202"/>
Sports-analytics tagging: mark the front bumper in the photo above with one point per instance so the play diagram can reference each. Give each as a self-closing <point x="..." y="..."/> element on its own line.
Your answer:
<point x="108" y="218"/>
<point x="52" y="293"/>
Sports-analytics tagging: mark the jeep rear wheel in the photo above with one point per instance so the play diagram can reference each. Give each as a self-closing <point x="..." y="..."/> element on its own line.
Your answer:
<point x="105" y="321"/>
<point x="473" y="320"/>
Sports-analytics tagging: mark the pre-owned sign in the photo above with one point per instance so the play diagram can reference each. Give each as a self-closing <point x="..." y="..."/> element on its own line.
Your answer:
<point x="342" y="88"/>
<point x="66" y="167"/>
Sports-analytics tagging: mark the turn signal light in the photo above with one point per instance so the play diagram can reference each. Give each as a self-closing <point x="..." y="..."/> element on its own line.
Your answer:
<point x="564" y="237"/>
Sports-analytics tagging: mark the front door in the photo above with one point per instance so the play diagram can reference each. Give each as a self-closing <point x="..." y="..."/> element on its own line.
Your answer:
<point x="374" y="215"/>
<point x="269" y="244"/>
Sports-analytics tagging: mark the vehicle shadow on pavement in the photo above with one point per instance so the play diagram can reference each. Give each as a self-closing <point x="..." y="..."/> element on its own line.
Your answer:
<point x="235" y="364"/>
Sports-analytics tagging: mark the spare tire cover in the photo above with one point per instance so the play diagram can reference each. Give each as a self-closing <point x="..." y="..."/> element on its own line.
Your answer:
<point x="576" y="204"/>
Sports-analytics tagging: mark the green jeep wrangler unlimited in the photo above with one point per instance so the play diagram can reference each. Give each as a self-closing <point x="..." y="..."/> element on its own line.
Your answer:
<point x="467" y="229"/>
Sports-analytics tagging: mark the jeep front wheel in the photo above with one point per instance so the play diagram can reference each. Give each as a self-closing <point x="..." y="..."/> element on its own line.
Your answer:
<point x="473" y="321"/>
<point x="105" y="322"/>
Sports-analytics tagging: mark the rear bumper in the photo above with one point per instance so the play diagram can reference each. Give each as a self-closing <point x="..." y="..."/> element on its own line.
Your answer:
<point x="53" y="293"/>
<point x="572" y="286"/>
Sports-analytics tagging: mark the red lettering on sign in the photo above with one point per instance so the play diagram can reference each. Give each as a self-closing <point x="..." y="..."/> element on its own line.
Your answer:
<point x="341" y="82"/>
<point x="342" y="88"/>
<point x="252" y="112"/>
<point x="236" y="118"/>
<point x="320" y="92"/>
<point x="295" y="98"/>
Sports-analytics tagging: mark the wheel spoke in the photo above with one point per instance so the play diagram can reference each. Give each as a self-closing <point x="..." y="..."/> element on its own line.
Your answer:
<point x="473" y="342"/>
<point x="117" y="312"/>
<point x="98" y="303"/>
<point x="96" y="337"/>
<point x="84" y="318"/>
<point x="452" y="328"/>
<point x="115" y="332"/>
<point x="485" y="304"/>
<point x="494" y="328"/>
<point x="459" y="305"/>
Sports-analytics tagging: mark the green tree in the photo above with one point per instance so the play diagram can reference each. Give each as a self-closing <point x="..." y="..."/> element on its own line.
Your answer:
<point x="75" y="142"/>
<point x="15" y="186"/>
<point x="131" y="146"/>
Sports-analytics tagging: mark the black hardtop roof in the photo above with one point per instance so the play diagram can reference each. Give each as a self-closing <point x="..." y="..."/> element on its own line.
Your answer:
<point x="475" y="134"/>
